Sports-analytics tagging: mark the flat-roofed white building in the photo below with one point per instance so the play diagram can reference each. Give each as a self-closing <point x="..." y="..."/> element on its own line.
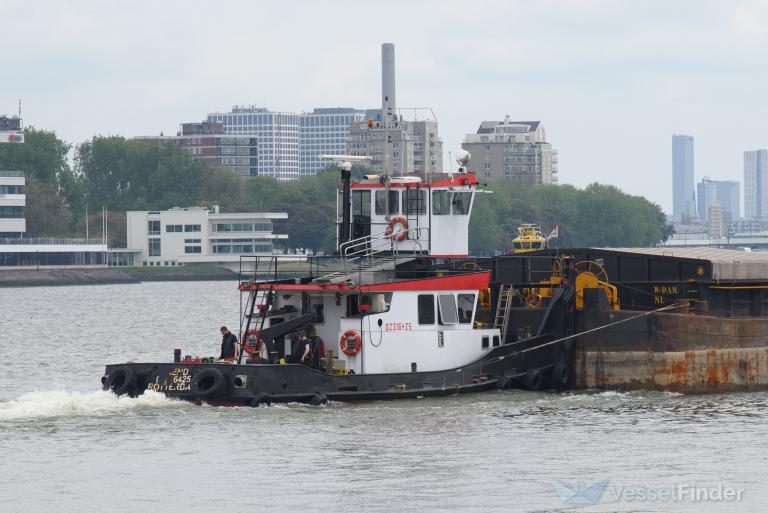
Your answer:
<point x="18" y="251"/>
<point x="13" y="225"/>
<point x="192" y="235"/>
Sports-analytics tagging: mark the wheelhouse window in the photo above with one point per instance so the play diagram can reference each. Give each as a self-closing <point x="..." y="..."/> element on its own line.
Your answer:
<point x="317" y="307"/>
<point x="447" y="309"/>
<point x="466" y="304"/>
<point x="461" y="202"/>
<point x="367" y="304"/>
<point x="361" y="203"/>
<point x="426" y="309"/>
<point x="441" y="203"/>
<point x="387" y="202"/>
<point x="414" y="201"/>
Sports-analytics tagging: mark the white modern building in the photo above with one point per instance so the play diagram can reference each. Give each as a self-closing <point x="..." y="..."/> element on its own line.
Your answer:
<point x="12" y="202"/>
<point x="18" y="251"/>
<point x="277" y="135"/>
<point x="197" y="235"/>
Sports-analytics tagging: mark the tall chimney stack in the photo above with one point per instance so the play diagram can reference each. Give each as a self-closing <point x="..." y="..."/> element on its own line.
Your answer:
<point x="388" y="104"/>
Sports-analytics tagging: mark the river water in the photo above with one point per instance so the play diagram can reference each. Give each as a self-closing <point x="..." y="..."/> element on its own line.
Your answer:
<point x="66" y="446"/>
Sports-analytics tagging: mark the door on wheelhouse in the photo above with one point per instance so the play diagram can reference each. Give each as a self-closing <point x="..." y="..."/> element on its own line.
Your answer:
<point x="361" y="214"/>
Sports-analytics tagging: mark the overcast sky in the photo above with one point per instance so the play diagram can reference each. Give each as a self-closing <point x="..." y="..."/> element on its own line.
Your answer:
<point x="610" y="80"/>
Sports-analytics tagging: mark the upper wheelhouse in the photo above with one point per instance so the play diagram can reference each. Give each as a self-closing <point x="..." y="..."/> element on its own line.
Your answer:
<point x="407" y="215"/>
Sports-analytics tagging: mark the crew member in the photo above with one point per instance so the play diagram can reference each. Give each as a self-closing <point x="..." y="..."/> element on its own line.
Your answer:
<point x="302" y="351"/>
<point x="228" y="345"/>
<point x="316" y="348"/>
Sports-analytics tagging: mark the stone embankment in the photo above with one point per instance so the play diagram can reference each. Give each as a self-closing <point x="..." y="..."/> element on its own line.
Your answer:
<point x="102" y="276"/>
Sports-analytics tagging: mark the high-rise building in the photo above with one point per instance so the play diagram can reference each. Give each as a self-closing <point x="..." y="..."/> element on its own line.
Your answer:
<point x="514" y="151"/>
<point x="208" y="142"/>
<point x="683" y="195"/>
<point x="277" y="135"/>
<point x="756" y="184"/>
<point x="415" y="146"/>
<point x="397" y="146"/>
<point x="324" y="132"/>
<point x="723" y="192"/>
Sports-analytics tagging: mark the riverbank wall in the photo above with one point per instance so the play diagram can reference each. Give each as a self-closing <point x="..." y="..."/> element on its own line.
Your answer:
<point x="104" y="276"/>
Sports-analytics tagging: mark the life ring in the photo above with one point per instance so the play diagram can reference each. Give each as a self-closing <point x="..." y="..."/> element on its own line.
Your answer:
<point x="400" y="234"/>
<point x="252" y="341"/>
<point x="350" y="343"/>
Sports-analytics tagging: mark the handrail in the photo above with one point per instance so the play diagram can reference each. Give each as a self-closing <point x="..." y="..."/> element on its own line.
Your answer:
<point x="44" y="241"/>
<point x="357" y="247"/>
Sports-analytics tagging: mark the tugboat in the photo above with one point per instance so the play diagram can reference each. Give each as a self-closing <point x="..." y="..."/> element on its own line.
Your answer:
<point x="529" y="238"/>
<point x="402" y="310"/>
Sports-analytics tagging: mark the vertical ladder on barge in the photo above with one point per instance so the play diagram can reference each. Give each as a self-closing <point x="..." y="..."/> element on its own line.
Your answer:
<point x="503" y="308"/>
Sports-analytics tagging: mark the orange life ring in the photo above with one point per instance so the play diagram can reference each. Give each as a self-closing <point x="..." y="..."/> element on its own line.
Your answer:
<point x="399" y="234"/>
<point x="350" y="343"/>
<point x="252" y="341"/>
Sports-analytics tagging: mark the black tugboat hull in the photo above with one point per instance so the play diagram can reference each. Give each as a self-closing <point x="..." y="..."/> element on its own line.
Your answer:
<point x="251" y="385"/>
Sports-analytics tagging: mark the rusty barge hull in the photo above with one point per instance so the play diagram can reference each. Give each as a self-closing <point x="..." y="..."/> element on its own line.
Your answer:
<point x="714" y="340"/>
<point x="673" y="352"/>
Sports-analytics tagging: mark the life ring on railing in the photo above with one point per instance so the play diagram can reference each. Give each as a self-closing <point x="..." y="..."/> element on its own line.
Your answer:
<point x="252" y="341"/>
<point x="350" y="343"/>
<point x="399" y="234"/>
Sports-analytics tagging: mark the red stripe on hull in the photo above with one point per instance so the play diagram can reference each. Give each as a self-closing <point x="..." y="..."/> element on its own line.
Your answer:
<point x="472" y="281"/>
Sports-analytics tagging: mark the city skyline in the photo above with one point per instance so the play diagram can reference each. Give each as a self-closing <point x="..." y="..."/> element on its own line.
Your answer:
<point x="633" y="72"/>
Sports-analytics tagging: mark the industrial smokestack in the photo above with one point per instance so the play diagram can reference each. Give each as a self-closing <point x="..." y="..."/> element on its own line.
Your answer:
<point x="388" y="105"/>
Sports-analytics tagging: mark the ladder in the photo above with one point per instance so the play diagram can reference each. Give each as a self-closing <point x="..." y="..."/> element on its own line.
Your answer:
<point x="249" y="319"/>
<point x="503" y="308"/>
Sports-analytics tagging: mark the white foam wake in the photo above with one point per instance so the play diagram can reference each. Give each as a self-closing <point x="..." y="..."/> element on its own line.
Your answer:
<point x="51" y="404"/>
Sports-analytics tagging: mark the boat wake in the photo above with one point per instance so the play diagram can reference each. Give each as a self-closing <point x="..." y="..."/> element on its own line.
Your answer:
<point x="53" y="404"/>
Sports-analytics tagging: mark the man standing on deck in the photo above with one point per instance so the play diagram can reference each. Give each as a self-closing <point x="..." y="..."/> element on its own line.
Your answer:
<point x="228" y="345"/>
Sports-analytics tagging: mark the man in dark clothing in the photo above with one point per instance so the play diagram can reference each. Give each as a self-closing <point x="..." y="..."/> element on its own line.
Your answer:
<point x="302" y="347"/>
<point x="228" y="345"/>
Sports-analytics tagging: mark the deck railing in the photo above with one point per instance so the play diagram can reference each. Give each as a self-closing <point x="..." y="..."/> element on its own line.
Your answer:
<point x="12" y="240"/>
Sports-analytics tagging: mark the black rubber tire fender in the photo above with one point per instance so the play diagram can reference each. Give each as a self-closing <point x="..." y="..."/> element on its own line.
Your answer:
<point x="122" y="381"/>
<point x="561" y="373"/>
<point x="318" y="399"/>
<point x="208" y="384"/>
<point x="262" y="399"/>
<point x="532" y="380"/>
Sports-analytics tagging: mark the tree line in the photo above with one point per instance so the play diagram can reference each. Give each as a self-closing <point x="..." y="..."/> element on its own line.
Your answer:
<point x="65" y="181"/>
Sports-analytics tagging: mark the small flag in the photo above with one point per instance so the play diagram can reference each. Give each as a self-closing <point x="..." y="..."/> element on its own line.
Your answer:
<point x="554" y="233"/>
